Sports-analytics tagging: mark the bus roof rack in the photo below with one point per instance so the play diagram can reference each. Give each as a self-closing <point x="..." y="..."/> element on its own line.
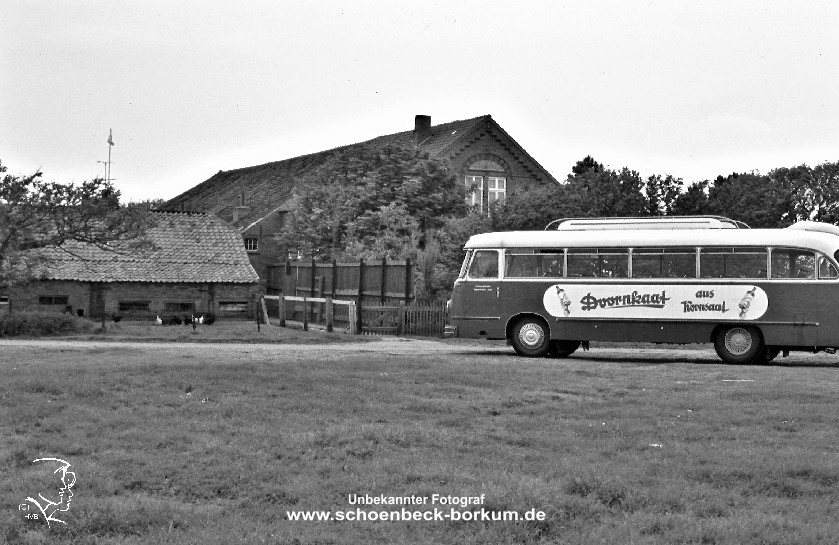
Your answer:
<point x="815" y="226"/>
<point x="652" y="222"/>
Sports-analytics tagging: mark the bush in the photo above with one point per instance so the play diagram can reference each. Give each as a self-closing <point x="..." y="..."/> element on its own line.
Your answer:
<point x="38" y="324"/>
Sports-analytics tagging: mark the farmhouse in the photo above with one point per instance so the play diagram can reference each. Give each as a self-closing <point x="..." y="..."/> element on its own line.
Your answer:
<point x="194" y="263"/>
<point x="254" y="199"/>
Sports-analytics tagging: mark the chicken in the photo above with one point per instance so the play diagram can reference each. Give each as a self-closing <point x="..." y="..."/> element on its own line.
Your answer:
<point x="158" y="320"/>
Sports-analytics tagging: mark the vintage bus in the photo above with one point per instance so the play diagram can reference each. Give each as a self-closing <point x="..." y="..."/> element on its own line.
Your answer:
<point x="753" y="293"/>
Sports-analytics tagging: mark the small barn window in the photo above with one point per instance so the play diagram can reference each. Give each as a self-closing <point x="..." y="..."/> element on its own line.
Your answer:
<point x="251" y="244"/>
<point x="52" y="300"/>
<point x="233" y="306"/>
<point x="134" y="306"/>
<point x="178" y="306"/>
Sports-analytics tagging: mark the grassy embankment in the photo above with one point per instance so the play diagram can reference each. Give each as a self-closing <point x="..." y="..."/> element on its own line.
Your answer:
<point x="208" y="446"/>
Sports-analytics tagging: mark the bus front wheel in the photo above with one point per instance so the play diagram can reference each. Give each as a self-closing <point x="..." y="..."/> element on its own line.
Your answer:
<point x="531" y="338"/>
<point x="739" y="345"/>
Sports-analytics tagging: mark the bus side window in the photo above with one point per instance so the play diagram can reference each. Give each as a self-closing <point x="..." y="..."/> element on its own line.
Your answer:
<point x="647" y="263"/>
<point x="614" y="263"/>
<point x="791" y="263"/>
<point x="827" y="269"/>
<point x="681" y="263"/>
<point x="583" y="263"/>
<point x="484" y="264"/>
<point x="552" y="266"/>
<point x="532" y="265"/>
<point x="733" y="262"/>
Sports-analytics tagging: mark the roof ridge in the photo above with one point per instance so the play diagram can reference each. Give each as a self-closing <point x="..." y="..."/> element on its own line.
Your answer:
<point x="463" y="135"/>
<point x="201" y="187"/>
<point x="552" y="177"/>
<point x="345" y="146"/>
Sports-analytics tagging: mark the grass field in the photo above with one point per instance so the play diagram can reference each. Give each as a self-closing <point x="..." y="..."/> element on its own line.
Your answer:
<point x="214" y="445"/>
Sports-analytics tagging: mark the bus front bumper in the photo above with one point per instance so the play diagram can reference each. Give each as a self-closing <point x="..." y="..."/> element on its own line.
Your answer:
<point x="450" y="331"/>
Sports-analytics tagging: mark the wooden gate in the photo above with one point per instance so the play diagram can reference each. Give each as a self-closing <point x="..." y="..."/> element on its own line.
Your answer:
<point x="382" y="319"/>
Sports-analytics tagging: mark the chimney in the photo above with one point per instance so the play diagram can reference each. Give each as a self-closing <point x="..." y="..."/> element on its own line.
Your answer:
<point x="422" y="128"/>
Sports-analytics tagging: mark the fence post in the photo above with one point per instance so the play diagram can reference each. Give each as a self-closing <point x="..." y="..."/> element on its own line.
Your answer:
<point x="352" y="313"/>
<point x="359" y="320"/>
<point x="264" y="311"/>
<point x="330" y="315"/>
<point x="334" y="277"/>
<point x="408" y="278"/>
<point x="321" y="293"/>
<point x="360" y="278"/>
<point x="400" y="324"/>
<point x="305" y="315"/>
<point x="314" y="273"/>
<point x="282" y="310"/>
<point x="384" y="281"/>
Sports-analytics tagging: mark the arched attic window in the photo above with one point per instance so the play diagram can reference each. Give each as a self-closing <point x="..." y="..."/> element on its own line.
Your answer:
<point x="486" y="182"/>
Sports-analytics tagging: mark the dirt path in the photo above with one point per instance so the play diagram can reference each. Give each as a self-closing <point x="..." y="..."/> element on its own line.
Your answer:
<point x="389" y="346"/>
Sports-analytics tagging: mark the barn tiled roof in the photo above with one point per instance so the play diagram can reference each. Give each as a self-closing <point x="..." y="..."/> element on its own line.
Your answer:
<point x="273" y="182"/>
<point x="189" y="248"/>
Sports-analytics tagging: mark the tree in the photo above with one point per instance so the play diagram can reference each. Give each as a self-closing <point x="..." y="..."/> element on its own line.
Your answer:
<point x="365" y="202"/>
<point x="815" y="191"/>
<point x="662" y="193"/>
<point x="610" y="193"/>
<point x="756" y="199"/>
<point x="535" y="207"/>
<point x="35" y="214"/>
<point x="588" y="164"/>
<point x="693" y="202"/>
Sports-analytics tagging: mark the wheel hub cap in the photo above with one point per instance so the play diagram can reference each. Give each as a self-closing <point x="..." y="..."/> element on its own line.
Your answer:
<point x="738" y="341"/>
<point x="531" y="335"/>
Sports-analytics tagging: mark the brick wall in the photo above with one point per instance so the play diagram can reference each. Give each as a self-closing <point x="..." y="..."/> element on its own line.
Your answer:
<point x="163" y="299"/>
<point x="521" y="173"/>
<point x="270" y="251"/>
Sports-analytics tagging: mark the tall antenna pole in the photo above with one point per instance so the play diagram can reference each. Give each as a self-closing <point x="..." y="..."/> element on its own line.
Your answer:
<point x="110" y="145"/>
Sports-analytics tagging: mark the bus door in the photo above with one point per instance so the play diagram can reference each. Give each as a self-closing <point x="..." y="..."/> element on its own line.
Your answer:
<point x="480" y="292"/>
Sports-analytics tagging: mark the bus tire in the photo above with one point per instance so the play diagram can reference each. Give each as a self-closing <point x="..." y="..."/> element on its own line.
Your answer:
<point x="739" y="344"/>
<point x="531" y="337"/>
<point x="563" y="349"/>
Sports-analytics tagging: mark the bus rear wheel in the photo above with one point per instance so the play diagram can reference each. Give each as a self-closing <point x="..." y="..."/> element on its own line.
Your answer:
<point x="563" y="349"/>
<point x="739" y="345"/>
<point x="531" y="337"/>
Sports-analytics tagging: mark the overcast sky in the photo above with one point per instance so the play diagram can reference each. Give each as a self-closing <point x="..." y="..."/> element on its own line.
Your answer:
<point x="694" y="89"/>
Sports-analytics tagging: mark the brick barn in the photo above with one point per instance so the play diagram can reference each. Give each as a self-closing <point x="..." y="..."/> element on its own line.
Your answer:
<point x="195" y="264"/>
<point x="253" y="199"/>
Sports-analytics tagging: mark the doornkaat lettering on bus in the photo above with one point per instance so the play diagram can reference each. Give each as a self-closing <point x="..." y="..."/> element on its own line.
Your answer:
<point x="677" y="301"/>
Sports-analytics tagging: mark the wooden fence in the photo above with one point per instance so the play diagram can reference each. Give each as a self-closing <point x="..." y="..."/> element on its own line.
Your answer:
<point x="379" y="281"/>
<point x="427" y="319"/>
